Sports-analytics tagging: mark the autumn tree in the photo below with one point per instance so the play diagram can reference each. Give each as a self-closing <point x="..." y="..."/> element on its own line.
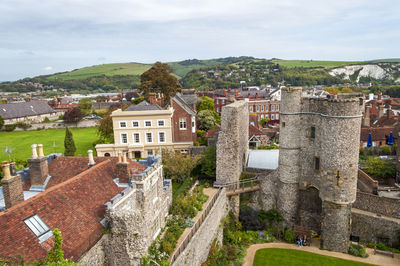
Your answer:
<point x="178" y="166"/>
<point x="159" y="79"/>
<point x="73" y="115"/>
<point x="69" y="143"/>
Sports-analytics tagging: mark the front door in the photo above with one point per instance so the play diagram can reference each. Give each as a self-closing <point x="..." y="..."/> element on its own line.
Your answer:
<point x="137" y="154"/>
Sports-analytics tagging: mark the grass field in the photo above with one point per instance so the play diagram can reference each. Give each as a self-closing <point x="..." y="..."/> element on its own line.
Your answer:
<point x="312" y="63"/>
<point x="22" y="141"/>
<point x="105" y="69"/>
<point x="288" y="257"/>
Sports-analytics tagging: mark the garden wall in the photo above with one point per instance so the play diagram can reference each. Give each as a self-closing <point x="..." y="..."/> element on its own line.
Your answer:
<point x="381" y="205"/>
<point x="95" y="255"/>
<point x="371" y="227"/>
<point x="58" y="125"/>
<point x="198" y="248"/>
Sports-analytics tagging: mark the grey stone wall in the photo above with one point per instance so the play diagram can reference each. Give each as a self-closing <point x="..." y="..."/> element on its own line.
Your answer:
<point x="266" y="197"/>
<point x="96" y="255"/>
<point x="232" y="144"/>
<point x="59" y="125"/>
<point x="385" y="206"/>
<point x="370" y="227"/>
<point x="197" y="250"/>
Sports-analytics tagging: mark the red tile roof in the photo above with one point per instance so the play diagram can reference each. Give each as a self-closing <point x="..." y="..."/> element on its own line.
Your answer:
<point x="75" y="205"/>
<point x="378" y="133"/>
<point x="253" y="131"/>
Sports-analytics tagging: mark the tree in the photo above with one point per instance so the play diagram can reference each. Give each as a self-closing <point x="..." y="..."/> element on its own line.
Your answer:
<point x="130" y="95"/>
<point x="178" y="166"/>
<point x="105" y="130"/>
<point x="378" y="167"/>
<point x="56" y="254"/>
<point x="208" y="163"/>
<point x="206" y="104"/>
<point x="159" y="79"/>
<point x="137" y="100"/>
<point x="69" y="143"/>
<point x="206" y="119"/>
<point x="85" y="105"/>
<point x="1" y="122"/>
<point x="73" y="115"/>
<point x="263" y="121"/>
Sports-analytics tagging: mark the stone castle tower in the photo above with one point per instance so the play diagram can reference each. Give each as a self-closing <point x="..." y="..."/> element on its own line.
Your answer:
<point x="318" y="163"/>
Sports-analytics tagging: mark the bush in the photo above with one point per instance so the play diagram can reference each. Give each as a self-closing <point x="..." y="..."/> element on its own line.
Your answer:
<point x="23" y="125"/>
<point x="10" y="127"/>
<point x="289" y="236"/>
<point x="46" y="120"/>
<point x="380" y="168"/>
<point x="382" y="246"/>
<point x="358" y="251"/>
<point x="268" y="147"/>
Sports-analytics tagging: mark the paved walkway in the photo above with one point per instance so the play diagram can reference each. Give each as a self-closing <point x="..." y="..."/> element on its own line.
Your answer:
<point x="210" y="192"/>
<point x="372" y="259"/>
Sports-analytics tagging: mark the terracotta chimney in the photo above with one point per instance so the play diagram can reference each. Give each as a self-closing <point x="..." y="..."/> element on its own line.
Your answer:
<point x="379" y="96"/>
<point x="122" y="169"/>
<point x="91" y="159"/>
<point x="12" y="187"/>
<point x="367" y="117"/>
<point x="38" y="168"/>
<point x="380" y="111"/>
<point x="236" y="93"/>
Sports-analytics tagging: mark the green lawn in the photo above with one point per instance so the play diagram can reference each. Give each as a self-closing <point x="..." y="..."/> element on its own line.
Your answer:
<point x="288" y="257"/>
<point x="22" y="141"/>
<point x="105" y="69"/>
<point x="312" y="63"/>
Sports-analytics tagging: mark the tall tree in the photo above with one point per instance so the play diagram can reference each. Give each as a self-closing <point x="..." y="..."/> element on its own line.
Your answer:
<point x="159" y="79"/>
<point x="69" y="143"/>
<point x="73" y="115"/>
<point x="1" y="122"/>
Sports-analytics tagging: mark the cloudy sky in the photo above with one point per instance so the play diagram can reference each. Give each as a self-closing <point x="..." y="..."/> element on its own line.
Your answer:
<point x="47" y="36"/>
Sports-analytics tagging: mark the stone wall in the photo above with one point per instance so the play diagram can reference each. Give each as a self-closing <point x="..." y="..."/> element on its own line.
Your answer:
<point x="96" y="255"/>
<point x="60" y="125"/>
<point x="370" y="227"/>
<point x="382" y="205"/>
<point x="198" y="248"/>
<point x="232" y="144"/>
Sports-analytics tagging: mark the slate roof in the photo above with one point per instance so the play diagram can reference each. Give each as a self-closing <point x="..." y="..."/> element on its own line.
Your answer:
<point x="189" y="99"/>
<point x="143" y="106"/>
<point x="72" y="202"/>
<point x="182" y="102"/>
<point x="24" y="109"/>
<point x="75" y="206"/>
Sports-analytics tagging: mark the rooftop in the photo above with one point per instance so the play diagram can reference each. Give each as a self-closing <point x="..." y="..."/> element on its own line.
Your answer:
<point x="144" y="106"/>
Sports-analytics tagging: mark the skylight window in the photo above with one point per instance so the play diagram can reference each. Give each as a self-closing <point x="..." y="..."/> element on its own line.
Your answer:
<point x="38" y="227"/>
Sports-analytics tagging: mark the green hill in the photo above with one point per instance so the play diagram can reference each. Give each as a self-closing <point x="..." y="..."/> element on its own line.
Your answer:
<point x="105" y="69"/>
<point x="313" y="63"/>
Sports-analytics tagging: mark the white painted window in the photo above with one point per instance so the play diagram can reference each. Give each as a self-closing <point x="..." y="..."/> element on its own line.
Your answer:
<point x="272" y="107"/>
<point x="161" y="123"/>
<point x="182" y="123"/>
<point x="223" y="101"/>
<point x="122" y="124"/>
<point x="251" y="108"/>
<point x="124" y="138"/>
<point x="136" y="137"/>
<point x="135" y="123"/>
<point x="149" y="137"/>
<point x="147" y="123"/>
<point x="277" y="116"/>
<point x="161" y="137"/>
<point x="217" y="109"/>
<point x="262" y="108"/>
<point x="266" y="107"/>
<point x="272" y="116"/>
<point x="258" y="108"/>
<point x="277" y="107"/>
<point x="262" y="116"/>
<point x="267" y="116"/>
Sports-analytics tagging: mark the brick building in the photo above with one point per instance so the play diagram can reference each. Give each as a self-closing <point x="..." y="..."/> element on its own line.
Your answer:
<point x="81" y="196"/>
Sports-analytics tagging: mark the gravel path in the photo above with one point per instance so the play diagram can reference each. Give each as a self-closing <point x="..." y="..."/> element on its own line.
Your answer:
<point x="372" y="259"/>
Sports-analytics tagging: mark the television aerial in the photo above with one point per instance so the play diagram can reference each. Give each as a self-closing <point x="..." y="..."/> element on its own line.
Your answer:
<point x="9" y="150"/>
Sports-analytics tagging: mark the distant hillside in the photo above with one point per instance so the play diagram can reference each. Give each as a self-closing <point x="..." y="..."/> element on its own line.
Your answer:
<point x="313" y="63"/>
<point x="105" y="69"/>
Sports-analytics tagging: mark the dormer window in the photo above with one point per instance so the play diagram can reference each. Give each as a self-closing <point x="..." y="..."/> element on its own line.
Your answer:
<point x="38" y="227"/>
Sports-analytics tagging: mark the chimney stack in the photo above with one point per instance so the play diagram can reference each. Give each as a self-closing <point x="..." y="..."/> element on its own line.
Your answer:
<point x="367" y="117"/>
<point x="380" y="111"/>
<point x="38" y="168"/>
<point x="12" y="187"/>
<point x="122" y="169"/>
<point x="389" y="112"/>
<point x="91" y="159"/>
<point x="379" y="96"/>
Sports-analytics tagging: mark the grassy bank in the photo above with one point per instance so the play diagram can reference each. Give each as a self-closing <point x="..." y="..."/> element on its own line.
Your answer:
<point x="22" y="140"/>
<point x="287" y="257"/>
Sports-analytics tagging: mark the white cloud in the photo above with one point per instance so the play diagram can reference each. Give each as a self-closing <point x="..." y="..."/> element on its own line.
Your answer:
<point x="48" y="68"/>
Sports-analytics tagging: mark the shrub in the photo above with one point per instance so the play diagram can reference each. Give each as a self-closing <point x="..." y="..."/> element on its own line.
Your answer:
<point x="268" y="147"/>
<point x="357" y="250"/>
<point x="10" y="127"/>
<point x="288" y="236"/>
<point x="46" y="120"/>
<point x="382" y="246"/>
<point x="380" y="168"/>
<point x="249" y="219"/>
<point x="23" y="125"/>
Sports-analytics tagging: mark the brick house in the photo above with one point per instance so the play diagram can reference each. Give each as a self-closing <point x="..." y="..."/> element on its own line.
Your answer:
<point x="183" y="120"/>
<point x="81" y="196"/>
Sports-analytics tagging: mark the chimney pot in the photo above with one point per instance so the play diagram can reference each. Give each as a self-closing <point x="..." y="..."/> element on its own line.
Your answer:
<point x="34" y="152"/>
<point x="91" y="159"/>
<point x="40" y="149"/>
<point x="6" y="170"/>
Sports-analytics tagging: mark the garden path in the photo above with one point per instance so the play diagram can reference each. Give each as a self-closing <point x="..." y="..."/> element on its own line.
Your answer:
<point x="314" y="248"/>
<point x="210" y="192"/>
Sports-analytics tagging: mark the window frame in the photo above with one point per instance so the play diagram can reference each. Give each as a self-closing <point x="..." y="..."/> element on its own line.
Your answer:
<point x="165" y="137"/>
<point x="317" y="163"/>
<point x="138" y="122"/>
<point x="161" y="120"/>
<point x="312" y="132"/>
<point x="146" y="139"/>
<point x="134" y="137"/>
<point x="123" y="121"/>
<point x="182" y="121"/>
<point x="121" y="138"/>
<point x="39" y="222"/>
<point x="145" y="123"/>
